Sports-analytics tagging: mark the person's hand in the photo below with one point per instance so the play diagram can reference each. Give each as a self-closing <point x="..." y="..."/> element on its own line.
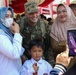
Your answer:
<point x="35" y="67"/>
<point x="15" y="28"/>
<point x="63" y="57"/>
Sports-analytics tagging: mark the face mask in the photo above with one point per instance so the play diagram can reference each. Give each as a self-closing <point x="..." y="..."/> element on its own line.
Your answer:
<point x="8" y="22"/>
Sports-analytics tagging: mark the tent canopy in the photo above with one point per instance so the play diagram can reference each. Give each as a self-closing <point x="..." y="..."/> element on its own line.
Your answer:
<point x="18" y="5"/>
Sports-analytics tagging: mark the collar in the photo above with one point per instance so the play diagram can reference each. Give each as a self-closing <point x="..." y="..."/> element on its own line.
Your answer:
<point x="38" y="62"/>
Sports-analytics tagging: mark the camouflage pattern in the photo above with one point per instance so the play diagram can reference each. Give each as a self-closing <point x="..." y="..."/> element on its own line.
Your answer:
<point x="33" y="32"/>
<point x="38" y="31"/>
<point x="30" y="32"/>
<point x="31" y="7"/>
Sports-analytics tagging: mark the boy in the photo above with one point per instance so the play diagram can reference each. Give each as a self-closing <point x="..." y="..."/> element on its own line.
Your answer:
<point x="36" y="65"/>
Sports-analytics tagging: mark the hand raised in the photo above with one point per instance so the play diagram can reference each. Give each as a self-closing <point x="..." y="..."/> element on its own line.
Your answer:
<point x="63" y="57"/>
<point x="35" y="67"/>
<point x="15" y="28"/>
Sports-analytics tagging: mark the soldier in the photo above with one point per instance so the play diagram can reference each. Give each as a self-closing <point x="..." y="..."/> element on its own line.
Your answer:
<point x="32" y="27"/>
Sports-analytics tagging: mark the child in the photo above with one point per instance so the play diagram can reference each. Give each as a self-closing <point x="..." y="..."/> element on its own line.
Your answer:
<point x="36" y="65"/>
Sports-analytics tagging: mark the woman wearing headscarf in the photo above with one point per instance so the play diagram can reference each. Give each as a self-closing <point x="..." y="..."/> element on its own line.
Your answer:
<point x="10" y="43"/>
<point x="65" y="20"/>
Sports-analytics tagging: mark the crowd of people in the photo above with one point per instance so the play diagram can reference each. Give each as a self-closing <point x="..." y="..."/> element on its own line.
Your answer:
<point x="34" y="45"/>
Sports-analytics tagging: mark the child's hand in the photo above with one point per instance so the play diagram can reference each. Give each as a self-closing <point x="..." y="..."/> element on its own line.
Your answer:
<point x="35" y="67"/>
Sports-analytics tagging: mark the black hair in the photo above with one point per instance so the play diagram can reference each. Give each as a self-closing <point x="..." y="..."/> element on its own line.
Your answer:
<point x="36" y="42"/>
<point x="10" y="9"/>
<point x="49" y="19"/>
<point x="60" y="5"/>
<point x="41" y="15"/>
<point x="72" y="6"/>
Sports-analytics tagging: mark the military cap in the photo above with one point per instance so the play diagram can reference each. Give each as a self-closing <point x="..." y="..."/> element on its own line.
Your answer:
<point x="31" y="7"/>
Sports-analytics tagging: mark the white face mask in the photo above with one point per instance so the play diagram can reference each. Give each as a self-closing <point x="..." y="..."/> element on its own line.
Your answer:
<point x="8" y="22"/>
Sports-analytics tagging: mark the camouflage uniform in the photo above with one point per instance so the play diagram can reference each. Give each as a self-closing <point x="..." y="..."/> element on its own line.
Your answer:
<point x="30" y="32"/>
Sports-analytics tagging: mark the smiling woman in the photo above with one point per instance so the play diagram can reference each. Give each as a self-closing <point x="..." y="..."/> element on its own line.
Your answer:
<point x="10" y="46"/>
<point x="64" y="21"/>
<point x="62" y="13"/>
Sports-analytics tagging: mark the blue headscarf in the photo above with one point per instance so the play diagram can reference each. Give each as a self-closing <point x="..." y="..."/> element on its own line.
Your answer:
<point x="3" y="11"/>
